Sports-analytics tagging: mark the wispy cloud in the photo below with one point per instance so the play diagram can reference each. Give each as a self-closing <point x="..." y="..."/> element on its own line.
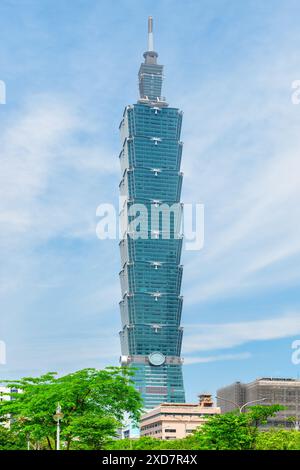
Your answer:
<point x="248" y="176"/>
<point x="205" y="337"/>
<point x="40" y="151"/>
<point x="218" y="358"/>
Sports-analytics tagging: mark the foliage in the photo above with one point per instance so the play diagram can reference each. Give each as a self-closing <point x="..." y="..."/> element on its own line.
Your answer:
<point x="91" y="431"/>
<point x="93" y="402"/>
<point x="150" y="443"/>
<point x="142" y="443"/>
<point x="188" y="443"/>
<point x="9" y="440"/>
<point x="230" y="431"/>
<point x="259" y="414"/>
<point x="278" y="439"/>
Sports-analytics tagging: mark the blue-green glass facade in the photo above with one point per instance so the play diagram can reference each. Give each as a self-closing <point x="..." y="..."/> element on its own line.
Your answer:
<point x="151" y="273"/>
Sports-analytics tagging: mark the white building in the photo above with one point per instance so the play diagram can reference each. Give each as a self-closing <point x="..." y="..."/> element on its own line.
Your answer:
<point x="5" y="396"/>
<point x="177" y="420"/>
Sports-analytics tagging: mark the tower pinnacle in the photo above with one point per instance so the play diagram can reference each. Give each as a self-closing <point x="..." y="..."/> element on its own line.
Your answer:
<point x="151" y="73"/>
<point x="150" y="34"/>
<point x="150" y="55"/>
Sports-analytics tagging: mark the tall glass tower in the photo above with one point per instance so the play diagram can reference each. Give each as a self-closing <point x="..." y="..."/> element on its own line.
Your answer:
<point x="151" y="274"/>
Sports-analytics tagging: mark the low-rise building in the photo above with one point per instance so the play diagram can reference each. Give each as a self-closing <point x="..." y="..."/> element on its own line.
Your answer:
<point x="265" y="391"/>
<point x="130" y="431"/>
<point x="177" y="420"/>
<point x="5" y="395"/>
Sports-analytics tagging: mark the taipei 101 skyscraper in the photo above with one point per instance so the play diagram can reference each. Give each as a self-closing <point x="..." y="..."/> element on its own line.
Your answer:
<point x="151" y="274"/>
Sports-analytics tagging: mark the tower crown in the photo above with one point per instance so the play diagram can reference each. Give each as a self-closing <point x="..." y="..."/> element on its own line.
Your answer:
<point x="150" y="73"/>
<point x="150" y="34"/>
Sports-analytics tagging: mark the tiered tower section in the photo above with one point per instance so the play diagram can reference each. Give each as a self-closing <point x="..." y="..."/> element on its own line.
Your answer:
<point x="151" y="274"/>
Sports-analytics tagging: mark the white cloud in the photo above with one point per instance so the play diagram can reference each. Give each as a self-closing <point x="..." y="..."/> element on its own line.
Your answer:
<point x="222" y="357"/>
<point x="40" y="151"/>
<point x="205" y="337"/>
<point x="88" y="348"/>
<point x="241" y="160"/>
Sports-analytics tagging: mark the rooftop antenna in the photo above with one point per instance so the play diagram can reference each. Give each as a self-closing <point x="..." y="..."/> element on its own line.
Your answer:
<point x="150" y="34"/>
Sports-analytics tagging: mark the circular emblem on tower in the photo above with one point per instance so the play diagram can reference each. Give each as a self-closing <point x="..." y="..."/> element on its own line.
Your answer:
<point x="157" y="358"/>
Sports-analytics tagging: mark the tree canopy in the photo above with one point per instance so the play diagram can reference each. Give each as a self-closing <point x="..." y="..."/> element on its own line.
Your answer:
<point x="234" y="431"/>
<point x="93" y="403"/>
<point x="229" y="431"/>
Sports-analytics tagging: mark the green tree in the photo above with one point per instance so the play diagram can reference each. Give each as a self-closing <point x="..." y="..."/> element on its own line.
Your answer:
<point x="230" y="431"/>
<point x="142" y="443"/>
<point x="278" y="439"/>
<point x="93" y="402"/>
<point x="234" y="431"/>
<point x="259" y="414"/>
<point x="9" y="440"/>
<point x="188" y="443"/>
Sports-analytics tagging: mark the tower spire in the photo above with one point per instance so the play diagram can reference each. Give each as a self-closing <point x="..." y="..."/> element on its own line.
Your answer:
<point x="151" y="73"/>
<point x="150" y="34"/>
<point x="150" y="55"/>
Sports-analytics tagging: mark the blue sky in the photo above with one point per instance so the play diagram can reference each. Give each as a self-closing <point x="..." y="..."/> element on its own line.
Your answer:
<point x="70" y="68"/>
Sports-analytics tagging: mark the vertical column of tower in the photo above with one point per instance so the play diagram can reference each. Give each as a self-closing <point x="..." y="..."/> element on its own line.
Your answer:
<point x="151" y="274"/>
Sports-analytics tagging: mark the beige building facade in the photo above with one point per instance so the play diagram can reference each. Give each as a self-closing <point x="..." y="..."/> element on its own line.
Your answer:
<point x="177" y="420"/>
<point x="265" y="391"/>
